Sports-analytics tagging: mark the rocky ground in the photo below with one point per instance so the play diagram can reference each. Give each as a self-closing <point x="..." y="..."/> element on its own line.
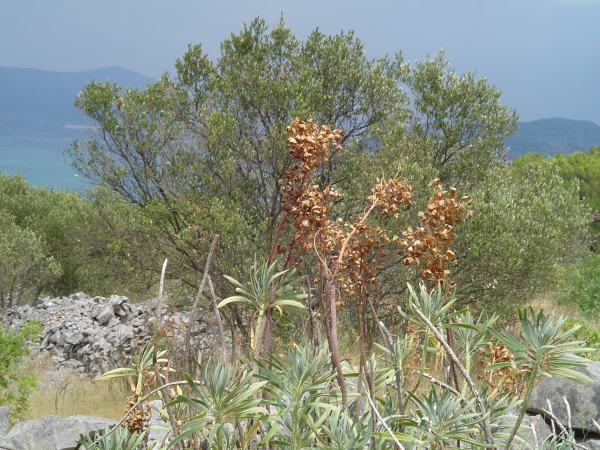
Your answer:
<point x="92" y="335"/>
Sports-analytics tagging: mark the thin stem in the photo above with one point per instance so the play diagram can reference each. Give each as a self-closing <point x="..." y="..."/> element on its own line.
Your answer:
<point x="528" y="391"/>
<point x="486" y="424"/>
<point x="167" y="399"/>
<point x="188" y="330"/>
<point x="160" y="297"/>
<point x="396" y="441"/>
<point x="218" y="319"/>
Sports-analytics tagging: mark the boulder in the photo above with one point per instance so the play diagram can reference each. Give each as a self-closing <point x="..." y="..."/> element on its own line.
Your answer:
<point x="583" y="400"/>
<point x="52" y="432"/>
<point x="3" y="420"/>
<point x="525" y="433"/>
<point x="158" y="428"/>
<point x="591" y="444"/>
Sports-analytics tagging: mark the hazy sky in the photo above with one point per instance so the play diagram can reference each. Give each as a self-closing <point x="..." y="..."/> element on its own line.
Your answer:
<point x="544" y="55"/>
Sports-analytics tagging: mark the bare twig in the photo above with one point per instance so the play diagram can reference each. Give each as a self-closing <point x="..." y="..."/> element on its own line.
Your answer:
<point x="396" y="441"/>
<point x="161" y="286"/>
<point x="596" y="425"/>
<point x="167" y="399"/>
<point x="218" y="319"/>
<point x="188" y="330"/>
<point x="159" y="380"/>
<point x="568" y="408"/>
<point x="552" y="421"/>
<point x="534" y="434"/>
<point x="562" y="428"/>
<point x="486" y="423"/>
<point x="441" y="384"/>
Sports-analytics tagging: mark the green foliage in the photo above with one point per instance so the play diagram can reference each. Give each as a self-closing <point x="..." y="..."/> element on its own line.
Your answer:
<point x="268" y="294"/>
<point x="15" y="386"/>
<point x="300" y="406"/>
<point x="343" y="432"/>
<point x="581" y="285"/>
<point x="208" y="149"/>
<point x="56" y="242"/>
<point x="441" y="420"/>
<point x="120" y="439"/>
<point x="539" y="350"/>
<point x="458" y="123"/>
<point x="296" y="384"/>
<point x="540" y="347"/>
<point x="527" y="223"/>
<point x="587" y="334"/>
<point x="141" y="376"/>
<point x="580" y="169"/>
<point x="222" y="395"/>
<point x="205" y="152"/>
<point x="24" y="266"/>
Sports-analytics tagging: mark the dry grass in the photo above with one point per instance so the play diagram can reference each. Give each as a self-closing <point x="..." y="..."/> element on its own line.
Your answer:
<point x="65" y="394"/>
<point x="550" y="305"/>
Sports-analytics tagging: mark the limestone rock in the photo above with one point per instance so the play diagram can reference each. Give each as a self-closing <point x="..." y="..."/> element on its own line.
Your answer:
<point x="584" y="400"/>
<point x="525" y="433"/>
<point x="3" y="420"/>
<point x="93" y="335"/>
<point x="52" y="432"/>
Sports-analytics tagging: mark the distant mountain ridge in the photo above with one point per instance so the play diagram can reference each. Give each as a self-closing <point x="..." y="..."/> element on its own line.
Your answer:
<point x="550" y="136"/>
<point x="40" y="103"/>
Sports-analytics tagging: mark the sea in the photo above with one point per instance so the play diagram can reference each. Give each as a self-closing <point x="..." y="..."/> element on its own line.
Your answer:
<point x="41" y="161"/>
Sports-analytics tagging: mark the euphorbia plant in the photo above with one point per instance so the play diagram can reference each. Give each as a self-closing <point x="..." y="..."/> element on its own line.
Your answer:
<point x="268" y="293"/>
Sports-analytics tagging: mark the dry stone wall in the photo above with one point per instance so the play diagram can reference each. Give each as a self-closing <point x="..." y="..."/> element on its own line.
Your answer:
<point x="94" y="334"/>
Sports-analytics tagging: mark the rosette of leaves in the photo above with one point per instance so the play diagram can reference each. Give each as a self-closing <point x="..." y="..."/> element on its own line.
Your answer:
<point x="298" y="384"/>
<point x="540" y="351"/>
<point x="270" y="294"/>
<point x="222" y="396"/>
<point x="142" y="378"/>
<point x="119" y="439"/>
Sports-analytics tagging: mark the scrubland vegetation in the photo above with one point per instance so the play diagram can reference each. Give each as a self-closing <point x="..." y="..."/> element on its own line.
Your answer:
<point x="388" y="219"/>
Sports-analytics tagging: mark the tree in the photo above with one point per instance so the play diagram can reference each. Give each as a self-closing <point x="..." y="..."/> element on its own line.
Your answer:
<point x="580" y="169"/>
<point x="528" y="222"/>
<point x="205" y="151"/>
<point x="57" y="242"/>
<point x="212" y="140"/>
<point x="24" y="265"/>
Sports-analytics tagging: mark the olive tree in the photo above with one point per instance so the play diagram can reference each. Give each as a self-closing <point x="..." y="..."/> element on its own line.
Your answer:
<point x="203" y="151"/>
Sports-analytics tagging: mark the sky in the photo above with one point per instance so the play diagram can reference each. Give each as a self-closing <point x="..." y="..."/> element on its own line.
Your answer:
<point x="544" y="55"/>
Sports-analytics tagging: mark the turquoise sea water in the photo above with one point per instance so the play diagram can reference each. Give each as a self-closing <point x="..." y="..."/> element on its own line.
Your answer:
<point x="41" y="162"/>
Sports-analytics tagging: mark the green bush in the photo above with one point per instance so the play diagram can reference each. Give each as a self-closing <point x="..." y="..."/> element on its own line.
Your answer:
<point x="16" y="387"/>
<point x="581" y="285"/>
<point x="301" y="405"/>
<point x="588" y="334"/>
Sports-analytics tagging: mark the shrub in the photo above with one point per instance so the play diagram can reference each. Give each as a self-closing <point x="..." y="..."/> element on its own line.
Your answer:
<point x="16" y="387"/>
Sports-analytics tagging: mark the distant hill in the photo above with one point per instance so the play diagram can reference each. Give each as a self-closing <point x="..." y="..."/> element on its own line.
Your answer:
<point x="40" y="103"/>
<point x="550" y="136"/>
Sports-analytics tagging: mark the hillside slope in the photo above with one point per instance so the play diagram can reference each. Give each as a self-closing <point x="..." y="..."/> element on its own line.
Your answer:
<point x="550" y="136"/>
